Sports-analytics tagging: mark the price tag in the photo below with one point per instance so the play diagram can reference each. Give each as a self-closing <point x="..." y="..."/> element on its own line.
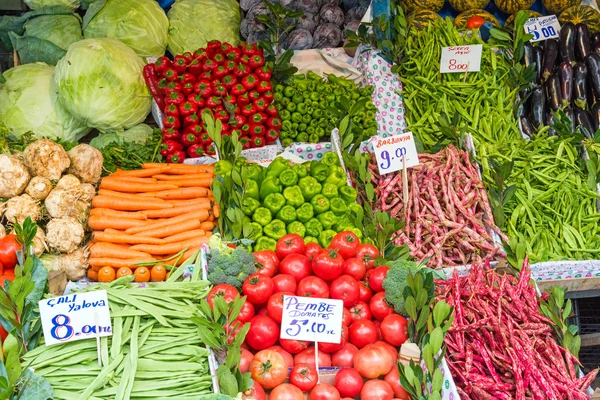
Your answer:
<point x="312" y="319"/>
<point x="390" y="151"/>
<point x="542" y="28"/>
<point x="75" y="317"/>
<point x="461" y="59"/>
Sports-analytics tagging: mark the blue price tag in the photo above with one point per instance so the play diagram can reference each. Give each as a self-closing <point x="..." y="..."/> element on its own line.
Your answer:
<point x="542" y="28"/>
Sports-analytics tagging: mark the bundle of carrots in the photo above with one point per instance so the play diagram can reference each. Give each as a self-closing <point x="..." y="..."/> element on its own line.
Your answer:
<point x="147" y="220"/>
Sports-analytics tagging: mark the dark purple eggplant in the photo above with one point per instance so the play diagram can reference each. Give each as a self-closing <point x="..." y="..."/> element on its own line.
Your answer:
<point x="567" y="43"/>
<point x="592" y="61"/>
<point x="525" y="96"/>
<point x="550" y="57"/>
<point x="526" y="127"/>
<point x="539" y="60"/>
<point x="565" y="74"/>
<point x="528" y="54"/>
<point x="591" y="98"/>
<point x="538" y="107"/>
<point x="553" y="95"/>
<point x="548" y="121"/>
<point x="584" y="120"/>
<point x="595" y="38"/>
<point x="582" y="42"/>
<point x="595" y="114"/>
<point x="580" y="73"/>
<point x="596" y="48"/>
<point x="571" y="115"/>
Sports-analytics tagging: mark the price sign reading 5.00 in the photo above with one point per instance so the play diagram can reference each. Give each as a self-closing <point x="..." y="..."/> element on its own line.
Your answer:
<point x="542" y="28"/>
<point x="395" y="151"/>
<point x="312" y="319"/>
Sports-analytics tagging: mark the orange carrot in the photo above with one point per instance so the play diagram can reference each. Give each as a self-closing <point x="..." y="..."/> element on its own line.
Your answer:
<point x="182" y="203"/>
<point x="183" y="193"/>
<point x="201" y="215"/>
<point x="120" y="214"/>
<point x="101" y="222"/>
<point x="211" y="217"/>
<point x="121" y="204"/>
<point x="173" y="212"/>
<point x="216" y="211"/>
<point x="174" y="229"/>
<point x="132" y="187"/>
<point x="142" y="173"/>
<point x="116" y="262"/>
<point x="199" y="182"/>
<point x="112" y="193"/>
<point x="182" y="168"/>
<point x="207" y="226"/>
<point x="171" y="248"/>
<point x="188" y="254"/>
<point x="201" y="175"/>
<point x="111" y="237"/>
<point x="130" y="179"/>
<point x="180" y="237"/>
<point x="109" y="250"/>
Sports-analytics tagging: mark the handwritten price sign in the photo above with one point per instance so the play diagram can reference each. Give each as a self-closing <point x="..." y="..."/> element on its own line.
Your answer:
<point x="542" y="28"/>
<point x="75" y="317"/>
<point x="312" y="319"/>
<point x="461" y="59"/>
<point x="390" y="151"/>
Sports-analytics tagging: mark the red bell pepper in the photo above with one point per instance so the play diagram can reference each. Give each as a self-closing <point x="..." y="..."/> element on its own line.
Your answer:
<point x="195" y="67"/>
<point x="205" y="138"/>
<point x="176" y="157"/>
<point x="170" y="74"/>
<point x="249" y="48"/>
<point x="162" y="84"/>
<point x="195" y="150"/>
<point x="200" y="55"/>
<point x="229" y="81"/>
<point x="256" y="61"/>
<point x="268" y="96"/>
<point x="259" y="118"/>
<point x="233" y="54"/>
<point x="260" y="104"/>
<point x="254" y="95"/>
<point x="257" y="130"/>
<point x="209" y="65"/>
<point x="207" y="75"/>
<point x="225" y="47"/>
<point x="173" y="86"/>
<point x="243" y="99"/>
<point x="187" y="89"/>
<point x="225" y="133"/>
<point x="213" y="46"/>
<point x="274" y="123"/>
<point x="245" y="129"/>
<point x="230" y="65"/>
<point x="219" y="90"/>
<point x="248" y="110"/>
<point x="258" y="141"/>
<point x="241" y="71"/>
<point x="188" y="56"/>
<point x="246" y="142"/>
<point x="219" y="58"/>
<point x="167" y="147"/>
<point x="245" y="59"/>
<point x="161" y="64"/>
<point x="187" y="77"/>
<point x="213" y="101"/>
<point x="237" y="132"/>
<point x="271" y="136"/>
<point x="237" y="89"/>
<point x="196" y="130"/>
<point x="210" y="149"/>
<point x="179" y="64"/>
<point x="150" y="79"/>
<point x="264" y="73"/>
<point x="230" y="99"/>
<point x="170" y="121"/>
<point x="238" y="121"/>
<point x="189" y="139"/>
<point x="170" y="134"/>
<point x="271" y="110"/>
<point x="196" y="99"/>
<point x="264" y="86"/>
<point x="222" y="115"/>
<point x="186" y="108"/>
<point x="191" y="120"/>
<point x="175" y="98"/>
<point x="172" y="109"/>
<point x="220" y="72"/>
<point x="203" y="88"/>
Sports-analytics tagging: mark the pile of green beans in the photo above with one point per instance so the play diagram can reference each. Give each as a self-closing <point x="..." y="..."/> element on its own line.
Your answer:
<point x="154" y="351"/>
<point x="483" y="100"/>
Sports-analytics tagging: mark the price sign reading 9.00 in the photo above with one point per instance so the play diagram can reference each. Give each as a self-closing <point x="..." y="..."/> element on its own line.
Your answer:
<point x="312" y="319"/>
<point x="395" y="151"/>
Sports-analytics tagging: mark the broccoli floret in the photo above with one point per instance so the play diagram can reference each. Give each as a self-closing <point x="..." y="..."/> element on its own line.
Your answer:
<point x="230" y="266"/>
<point x="395" y="283"/>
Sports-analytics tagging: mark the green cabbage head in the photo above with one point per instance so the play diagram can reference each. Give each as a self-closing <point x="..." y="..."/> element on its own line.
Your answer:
<point x="140" y="24"/>
<point x="193" y="23"/>
<point x="29" y="103"/>
<point x="37" y="4"/>
<point x="100" y="82"/>
<point x="62" y="30"/>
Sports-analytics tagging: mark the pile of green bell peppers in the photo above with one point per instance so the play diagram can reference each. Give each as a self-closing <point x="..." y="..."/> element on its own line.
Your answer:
<point x="303" y="103"/>
<point x="311" y="199"/>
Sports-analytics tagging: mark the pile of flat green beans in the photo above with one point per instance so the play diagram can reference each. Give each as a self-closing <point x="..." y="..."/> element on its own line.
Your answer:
<point x="482" y="99"/>
<point x="154" y="352"/>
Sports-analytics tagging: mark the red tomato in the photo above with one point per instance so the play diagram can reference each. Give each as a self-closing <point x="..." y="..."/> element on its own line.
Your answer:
<point x="284" y="283"/>
<point x="256" y="392"/>
<point x="263" y="333"/>
<point x="378" y="326"/>
<point x="393" y="379"/>
<point x="304" y="377"/>
<point x="293" y="346"/>
<point x="346" y="242"/>
<point x="296" y="265"/>
<point x="246" y="360"/>
<point x="267" y="262"/>
<point x="287" y="391"/>
<point x="228" y="292"/>
<point x="394" y="329"/>
<point x="475" y="22"/>
<point x="345" y="288"/>
<point x="258" y="288"/>
<point x="313" y="286"/>
<point x="376" y="278"/>
<point x="344" y="357"/>
<point x="373" y="361"/>
<point x="376" y="390"/>
<point x="9" y="245"/>
<point x="262" y="311"/>
<point x="328" y="264"/>
<point x="9" y="275"/>
<point x="347" y="317"/>
<point x="362" y="333"/>
<point x="307" y="356"/>
<point x="268" y="368"/>
<point x="380" y="308"/>
<point x="391" y="349"/>
<point x="355" y="267"/>
<point x="368" y="253"/>
<point x="289" y="359"/>
<point x="275" y="305"/>
<point x="246" y="313"/>
<point x="360" y="311"/>
<point x="365" y="293"/>
<point x="349" y="382"/>
<point x="311" y="250"/>
<point x="289" y="244"/>
<point x="324" y="391"/>
<point x="333" y="347"/>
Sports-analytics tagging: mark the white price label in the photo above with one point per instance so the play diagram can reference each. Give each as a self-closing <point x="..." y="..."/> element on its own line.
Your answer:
<point x="461" y="59"/>
<point x="75" y="317"/>
<point x="390" y="152"/>
<point x="542" y="28"/>
<point x="312" y="319"/>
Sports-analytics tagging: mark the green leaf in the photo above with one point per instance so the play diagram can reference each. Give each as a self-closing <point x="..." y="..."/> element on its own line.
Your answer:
<point x="245" y="381"/>
<point x="411" y="307"/>
<point x="567" y="310"/>
<point x="437" y="381"/>
<point x="441" y="310"/>
<point x="436" y="339"/>
<point x="421" y="298"/>
<point x="422" y="321"/>
<point x="34" y="387"/>
<point x="227" y="382"/>
<point x="234" y="356"/>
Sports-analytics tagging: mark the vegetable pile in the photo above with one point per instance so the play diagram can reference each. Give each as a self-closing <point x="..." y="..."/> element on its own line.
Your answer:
<point x="304" y="104"/>
<point x="232" y="82"/>
<point x="142" y="216"/>
<point x="500" y="346"/>
<point x="447" y="215"/>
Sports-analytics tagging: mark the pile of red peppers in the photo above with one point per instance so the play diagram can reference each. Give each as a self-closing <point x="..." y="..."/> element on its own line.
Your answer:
<point x="232" y="82"/>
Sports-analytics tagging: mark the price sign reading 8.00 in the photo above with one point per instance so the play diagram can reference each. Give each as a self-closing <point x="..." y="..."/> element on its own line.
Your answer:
<point x="395" y="151"/>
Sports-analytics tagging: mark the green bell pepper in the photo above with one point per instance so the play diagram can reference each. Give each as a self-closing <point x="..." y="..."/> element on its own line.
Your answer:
<point x="296" y="116"/>
<point x="255" y="172"/>
<point x="327" y="219"/>
<point x="270" y="185"/>
<point x="262" y="215"/>
<point x="276" y="229"/>
<point x="337" y="176"/>
<point x="310" y="239"/>
<point x="313" y="138"/>
<point x="288" y="177"/>
<point x="297" y="228"/>
<point x="330" y="158"/>
<point x="305" y="212"/>
<point x="302" y="137"/>
<point x="293" y="196"/>
<point x="223" y="168"/>
<point x="301" y="108"/>
<point x="318" y="171"/>
<point x="265" y="243"/>
<point x="301" y="170"/>
<point x="356" y="231"/>
<point x="313" y="227"/>
<point x="326" y="237"/>
<point x="255" y="230"/>
<point x="287" y="214"/>
<point x="249" y="205"/>
<point x="274" y="202"/>
<point x="348" y="194"/>
<point x="355" y="209"/>
<point x="342" y="222"/>
<point x="289" y="91"/>
<point x="329" y="190"/>
<point x="338" y="206"/>
<point x="277" y="166"/>
<point x="298" y="98"/>
<point x="291" y="107"/>
<point x="251" y="189"/>
<point x="320" y="204"/>
<point x="310" y="187"/>
<point x="285" y="142"/>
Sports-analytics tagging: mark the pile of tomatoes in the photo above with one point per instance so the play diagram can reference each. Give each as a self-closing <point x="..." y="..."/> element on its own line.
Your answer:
<point x="371" y="331"/>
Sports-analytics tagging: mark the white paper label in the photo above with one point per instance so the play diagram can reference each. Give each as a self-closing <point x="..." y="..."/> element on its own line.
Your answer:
<point x="312" y="319"/>
<point x="461" y="59"/>
<point x="390" y="151"/>
<point x="75" y="317"/>
<point x="542" y="28"/>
